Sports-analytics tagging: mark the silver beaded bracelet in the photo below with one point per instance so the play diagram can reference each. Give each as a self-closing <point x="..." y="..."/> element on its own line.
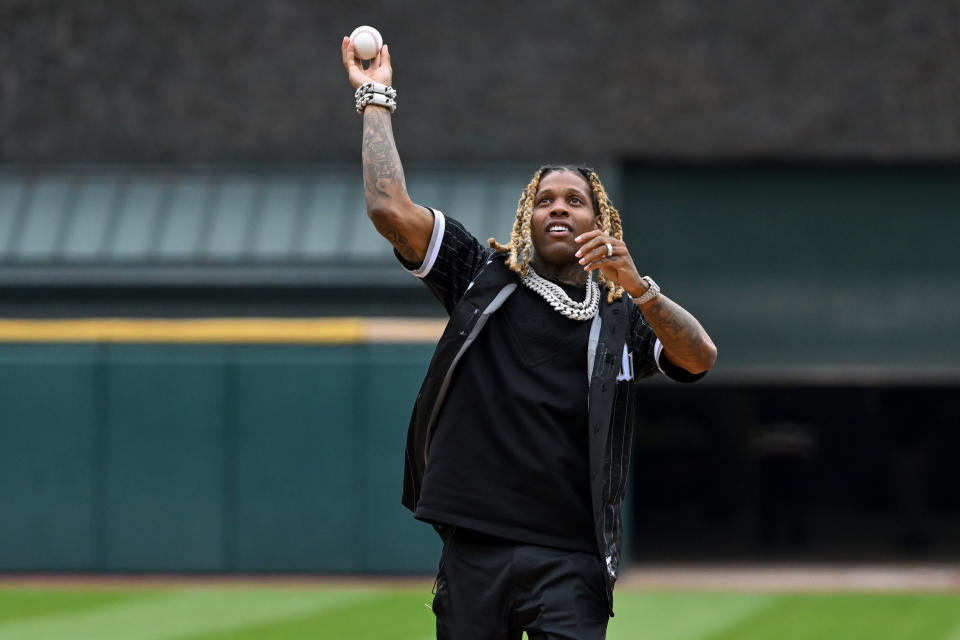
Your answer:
<point x="375" y="93"/>
<point x="375" y="87"/>
<point x="377" y="99"/>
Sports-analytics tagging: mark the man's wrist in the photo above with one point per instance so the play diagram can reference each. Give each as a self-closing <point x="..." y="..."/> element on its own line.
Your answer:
<point x="638" y="289"/>
<point x="648" y="290"/>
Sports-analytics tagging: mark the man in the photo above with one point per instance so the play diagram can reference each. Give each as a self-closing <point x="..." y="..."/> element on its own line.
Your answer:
<point x="520" y="438"/>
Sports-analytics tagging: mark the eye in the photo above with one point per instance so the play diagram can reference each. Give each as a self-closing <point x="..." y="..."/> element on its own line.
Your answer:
<point x="575" y="200"/>
<point x="544" y="200"/>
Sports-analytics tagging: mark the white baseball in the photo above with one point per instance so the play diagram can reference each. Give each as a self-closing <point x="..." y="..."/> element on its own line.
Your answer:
<point x="366" y="42"/>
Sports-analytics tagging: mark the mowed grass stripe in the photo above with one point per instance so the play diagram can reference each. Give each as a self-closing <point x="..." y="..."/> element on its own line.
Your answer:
<point x="19" y="603"/>
<point x="851" y="617"/>
<point x="361" y="613"/>
<point x="166" y="615"/>
<point x="681" y="616"/>
<point x="398" y="615"/>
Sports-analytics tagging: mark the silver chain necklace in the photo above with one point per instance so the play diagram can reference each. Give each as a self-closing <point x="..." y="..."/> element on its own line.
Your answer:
<point x="557" y="298"/>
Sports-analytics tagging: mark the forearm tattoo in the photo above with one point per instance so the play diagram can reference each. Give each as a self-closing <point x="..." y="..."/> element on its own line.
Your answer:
<point x="383" y="174"/>
<point x="382" y="171"/>
<point x="683" y="338"/>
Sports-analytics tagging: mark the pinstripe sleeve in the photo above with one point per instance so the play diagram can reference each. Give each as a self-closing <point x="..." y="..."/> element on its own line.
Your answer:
<point x="452" y="260"/>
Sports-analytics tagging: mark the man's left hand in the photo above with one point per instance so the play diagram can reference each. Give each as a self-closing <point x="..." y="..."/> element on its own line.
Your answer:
<point x="616" y="267"/>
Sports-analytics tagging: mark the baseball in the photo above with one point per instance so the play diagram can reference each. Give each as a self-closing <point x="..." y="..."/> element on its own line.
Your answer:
<point x="366" y="42"/>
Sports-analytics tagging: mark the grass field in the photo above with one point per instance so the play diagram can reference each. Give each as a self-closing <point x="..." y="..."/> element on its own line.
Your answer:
<point x="245" y="612"/>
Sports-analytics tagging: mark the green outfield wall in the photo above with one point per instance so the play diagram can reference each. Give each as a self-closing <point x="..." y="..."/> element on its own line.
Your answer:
<point x="208" y="458"/>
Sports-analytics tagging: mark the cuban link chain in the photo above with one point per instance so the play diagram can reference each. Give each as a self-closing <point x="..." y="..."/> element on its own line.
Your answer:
<point x="560" y="301"/>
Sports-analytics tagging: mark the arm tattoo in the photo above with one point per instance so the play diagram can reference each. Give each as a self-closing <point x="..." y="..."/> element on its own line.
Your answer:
<point x="399" y="242"/>
<point x="684" y="339"/>
<point x="382" y="171"/>
<point x="383" y="174"/>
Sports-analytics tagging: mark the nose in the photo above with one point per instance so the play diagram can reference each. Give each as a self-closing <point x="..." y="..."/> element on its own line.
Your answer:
<point x="559" y="210"/>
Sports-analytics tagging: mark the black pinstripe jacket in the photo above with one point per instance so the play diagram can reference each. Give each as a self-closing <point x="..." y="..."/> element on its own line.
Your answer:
<point x="472" y="282"/>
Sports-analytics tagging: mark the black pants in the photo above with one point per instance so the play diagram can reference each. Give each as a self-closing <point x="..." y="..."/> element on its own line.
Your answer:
<point x="495" y="590"/>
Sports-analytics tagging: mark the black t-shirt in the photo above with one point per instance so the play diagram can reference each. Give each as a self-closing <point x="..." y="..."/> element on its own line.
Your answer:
<point x="508" y="455"/>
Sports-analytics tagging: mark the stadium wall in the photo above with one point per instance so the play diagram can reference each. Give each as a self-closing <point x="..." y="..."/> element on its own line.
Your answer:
<point x="208" y="458"/>
<point x="119" y="456"/>
<point x="837" y="271"/>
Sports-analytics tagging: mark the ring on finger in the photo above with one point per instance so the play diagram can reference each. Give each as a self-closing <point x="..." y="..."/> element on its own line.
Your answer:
<point x="609" y="249"/>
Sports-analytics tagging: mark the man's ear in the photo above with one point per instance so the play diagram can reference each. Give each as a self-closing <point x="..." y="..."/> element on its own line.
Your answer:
<point x="599" y="223"/>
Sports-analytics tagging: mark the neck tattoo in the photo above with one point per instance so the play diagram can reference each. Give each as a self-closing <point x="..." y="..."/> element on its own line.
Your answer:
<point x="572" y="274"/>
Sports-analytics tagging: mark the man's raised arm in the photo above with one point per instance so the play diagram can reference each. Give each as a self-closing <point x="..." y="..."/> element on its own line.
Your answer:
<point x="406" y="225"/>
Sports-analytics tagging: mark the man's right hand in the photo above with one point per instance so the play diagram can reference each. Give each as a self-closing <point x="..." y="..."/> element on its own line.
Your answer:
<point x="378" y="71"/>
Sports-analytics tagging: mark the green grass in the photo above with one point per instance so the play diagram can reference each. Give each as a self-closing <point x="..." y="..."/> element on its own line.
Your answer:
<point x="361" y="613"/>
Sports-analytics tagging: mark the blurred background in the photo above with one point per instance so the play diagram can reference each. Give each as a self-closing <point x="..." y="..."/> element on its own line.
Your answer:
<point x="208" y="356"/>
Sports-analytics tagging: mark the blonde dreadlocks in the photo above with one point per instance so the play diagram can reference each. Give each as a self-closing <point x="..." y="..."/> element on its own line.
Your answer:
<point x="520" y="246"/>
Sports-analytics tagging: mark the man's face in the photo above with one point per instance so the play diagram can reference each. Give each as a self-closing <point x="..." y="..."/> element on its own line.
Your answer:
<point x="562" y="210"/>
